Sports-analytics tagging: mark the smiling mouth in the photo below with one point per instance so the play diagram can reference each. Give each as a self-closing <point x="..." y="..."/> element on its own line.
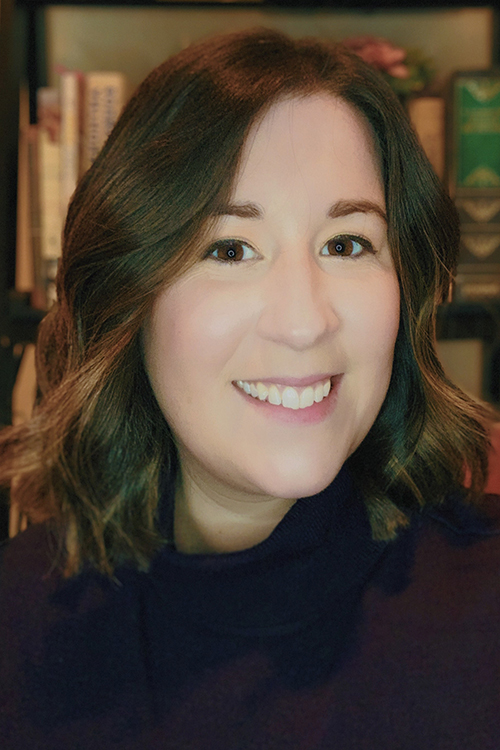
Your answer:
<point x="286" y="395"/>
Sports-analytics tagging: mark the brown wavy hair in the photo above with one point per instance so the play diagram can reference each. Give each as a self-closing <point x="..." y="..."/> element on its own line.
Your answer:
<point x="91" y="456"/>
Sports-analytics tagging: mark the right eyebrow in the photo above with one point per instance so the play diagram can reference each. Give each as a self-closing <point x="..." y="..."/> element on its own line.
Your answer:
<point x="241" y="210"/>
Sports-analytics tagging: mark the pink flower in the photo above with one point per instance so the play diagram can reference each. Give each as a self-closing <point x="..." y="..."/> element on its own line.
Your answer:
<point x="380" y="53"/>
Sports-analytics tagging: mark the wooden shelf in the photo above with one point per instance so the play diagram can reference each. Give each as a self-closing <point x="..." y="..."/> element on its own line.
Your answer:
<point x="20" y="23"/>
<point x="364" y="5"/>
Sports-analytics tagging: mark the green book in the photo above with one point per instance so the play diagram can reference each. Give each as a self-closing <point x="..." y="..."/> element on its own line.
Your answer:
<point x="474" y="181"/>
<point x="476" y="137"/>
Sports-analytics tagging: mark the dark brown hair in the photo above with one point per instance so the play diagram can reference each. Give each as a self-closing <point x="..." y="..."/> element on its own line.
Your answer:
<point x="91" y="456"/>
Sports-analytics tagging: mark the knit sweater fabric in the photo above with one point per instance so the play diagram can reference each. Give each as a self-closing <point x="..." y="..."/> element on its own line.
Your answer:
<point x="318" y="638"/>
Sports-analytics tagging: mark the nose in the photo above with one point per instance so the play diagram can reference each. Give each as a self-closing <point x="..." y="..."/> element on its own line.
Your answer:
<point x="297" y="307"/>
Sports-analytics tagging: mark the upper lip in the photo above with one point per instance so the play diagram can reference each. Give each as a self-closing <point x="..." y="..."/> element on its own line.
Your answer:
<point x="294" y="382"/>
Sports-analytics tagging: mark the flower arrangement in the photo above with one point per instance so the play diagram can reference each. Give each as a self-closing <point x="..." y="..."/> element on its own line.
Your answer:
<point x="408" y="72"/>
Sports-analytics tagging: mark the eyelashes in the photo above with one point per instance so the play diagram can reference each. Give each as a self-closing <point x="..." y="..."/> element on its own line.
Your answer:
<point x="347" y="246"/>
<point x="341" y="246"/>
<point x="230" y="251"/>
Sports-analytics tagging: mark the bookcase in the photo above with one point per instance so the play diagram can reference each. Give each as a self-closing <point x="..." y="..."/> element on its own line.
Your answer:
<point x="32" y="32"/>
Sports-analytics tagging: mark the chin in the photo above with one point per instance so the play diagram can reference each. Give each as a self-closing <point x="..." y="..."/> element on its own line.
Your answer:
<point x="295" y="482"/>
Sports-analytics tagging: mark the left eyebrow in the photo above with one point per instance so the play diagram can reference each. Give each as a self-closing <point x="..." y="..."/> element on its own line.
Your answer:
<point x="340" y="208"/>
<point x="345" y="208"/>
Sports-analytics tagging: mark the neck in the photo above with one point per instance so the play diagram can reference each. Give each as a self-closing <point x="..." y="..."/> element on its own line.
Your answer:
<point x="208" y="519"/>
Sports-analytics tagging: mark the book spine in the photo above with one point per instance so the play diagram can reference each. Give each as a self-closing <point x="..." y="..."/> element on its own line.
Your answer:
<point x="49" y="149"/>
<point x="25" y="280"/>
<point x="50" y="211"/>
<point x="23" y="401"/>
<point x="427" y="115"/>
<point x="38" y="299"/>
<point x="104" y="99"/>
<point x="69" y="137"/>
<point x="49" y="170"/>
<point x="477" y="131"/>
<point x="474" y="177"/>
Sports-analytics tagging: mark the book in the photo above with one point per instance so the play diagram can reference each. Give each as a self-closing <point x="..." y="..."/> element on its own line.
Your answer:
<point x="474" y="181"/>
<point x="25" y="280"/>
<point x="476" y="131"/>
<point x="23" y="400"/>
<point x="39" y="225"/>
<point x="49" y="150"/>
<point x="73" y="122"/>
<point x="427" y="115"/>
<point x="70" y="136"/>
<point x="38" y="291"/>
<point x="104" y="98"/>
<point x="463" y="362"/>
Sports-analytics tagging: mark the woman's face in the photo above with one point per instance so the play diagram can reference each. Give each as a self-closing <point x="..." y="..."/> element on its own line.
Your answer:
<point x="296" y="294"/>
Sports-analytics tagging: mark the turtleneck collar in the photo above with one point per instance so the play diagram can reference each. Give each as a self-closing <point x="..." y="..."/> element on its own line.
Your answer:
<point x="320" y="550"/>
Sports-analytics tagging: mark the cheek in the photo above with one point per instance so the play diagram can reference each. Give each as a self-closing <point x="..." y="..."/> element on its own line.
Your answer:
<point x="375" y="325"/>
<point x="192" y="333"/>
<point x="374" y="329"/>
<point x="384" y="324"/>
<point x="375" y="313"/>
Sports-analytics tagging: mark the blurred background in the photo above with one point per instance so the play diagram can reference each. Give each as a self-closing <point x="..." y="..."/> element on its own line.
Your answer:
<point x="67" y="69"/>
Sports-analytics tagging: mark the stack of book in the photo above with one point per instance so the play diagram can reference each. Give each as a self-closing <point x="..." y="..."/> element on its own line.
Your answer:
<point x="73" y="122"/>
<point x="474" y="173"/>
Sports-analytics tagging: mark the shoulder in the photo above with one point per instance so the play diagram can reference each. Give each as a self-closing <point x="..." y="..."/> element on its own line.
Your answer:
<point x="43" y="613"/>
<point x="460" y="543"/>
<point x="33" y="586"/>
<point x="31" y="580"/>
<point x="462" y="530"/>
<point x="436" y="597"/>
<point x="70" y="647"/>
<point x="28" y="565"/>
<point x="28" y="579"/>
<point x="479" y="519"/>
<point x="458" y="535"/>
<point x="448" y="560"/>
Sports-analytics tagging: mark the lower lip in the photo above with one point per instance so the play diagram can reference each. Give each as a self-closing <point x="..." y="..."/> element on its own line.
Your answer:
<point x="310" y="415"/>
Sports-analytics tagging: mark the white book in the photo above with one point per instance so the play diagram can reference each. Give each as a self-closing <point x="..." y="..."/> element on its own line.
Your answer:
<point x="427" y="115"/>
<point x="104" y="98"/>
<point x="37" y="297"/>
<point x="49" y="168"/>
<point x="23" y="400"/>
<point x="50" y="203"/>
<point x="69" y="137"/>
<point x="25" y="275"/>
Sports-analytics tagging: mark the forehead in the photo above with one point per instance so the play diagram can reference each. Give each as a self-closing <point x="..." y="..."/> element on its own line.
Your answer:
<point x="320" y="141"/>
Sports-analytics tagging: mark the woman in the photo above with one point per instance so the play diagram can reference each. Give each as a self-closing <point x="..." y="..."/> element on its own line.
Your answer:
<point x="248" y="462"/>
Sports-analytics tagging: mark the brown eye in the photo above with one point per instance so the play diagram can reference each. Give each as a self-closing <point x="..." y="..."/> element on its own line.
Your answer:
<point x="230" y="251"/>
<point x="346" y="247"/>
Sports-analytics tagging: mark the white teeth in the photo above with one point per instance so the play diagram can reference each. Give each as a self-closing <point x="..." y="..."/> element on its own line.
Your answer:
<point x="306" y="397"/>
<point x="274" y="396"/>
<point x="262" y="391"/>
<point x="290" y="398"/>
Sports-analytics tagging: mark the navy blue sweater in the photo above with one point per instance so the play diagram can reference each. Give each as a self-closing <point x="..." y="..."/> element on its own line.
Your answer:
<point x="317" y="638"/>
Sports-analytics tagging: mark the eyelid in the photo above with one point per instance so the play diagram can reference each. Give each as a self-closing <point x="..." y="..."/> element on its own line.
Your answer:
<point x="365" y="243"/>
<point x="224" y="242"/>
